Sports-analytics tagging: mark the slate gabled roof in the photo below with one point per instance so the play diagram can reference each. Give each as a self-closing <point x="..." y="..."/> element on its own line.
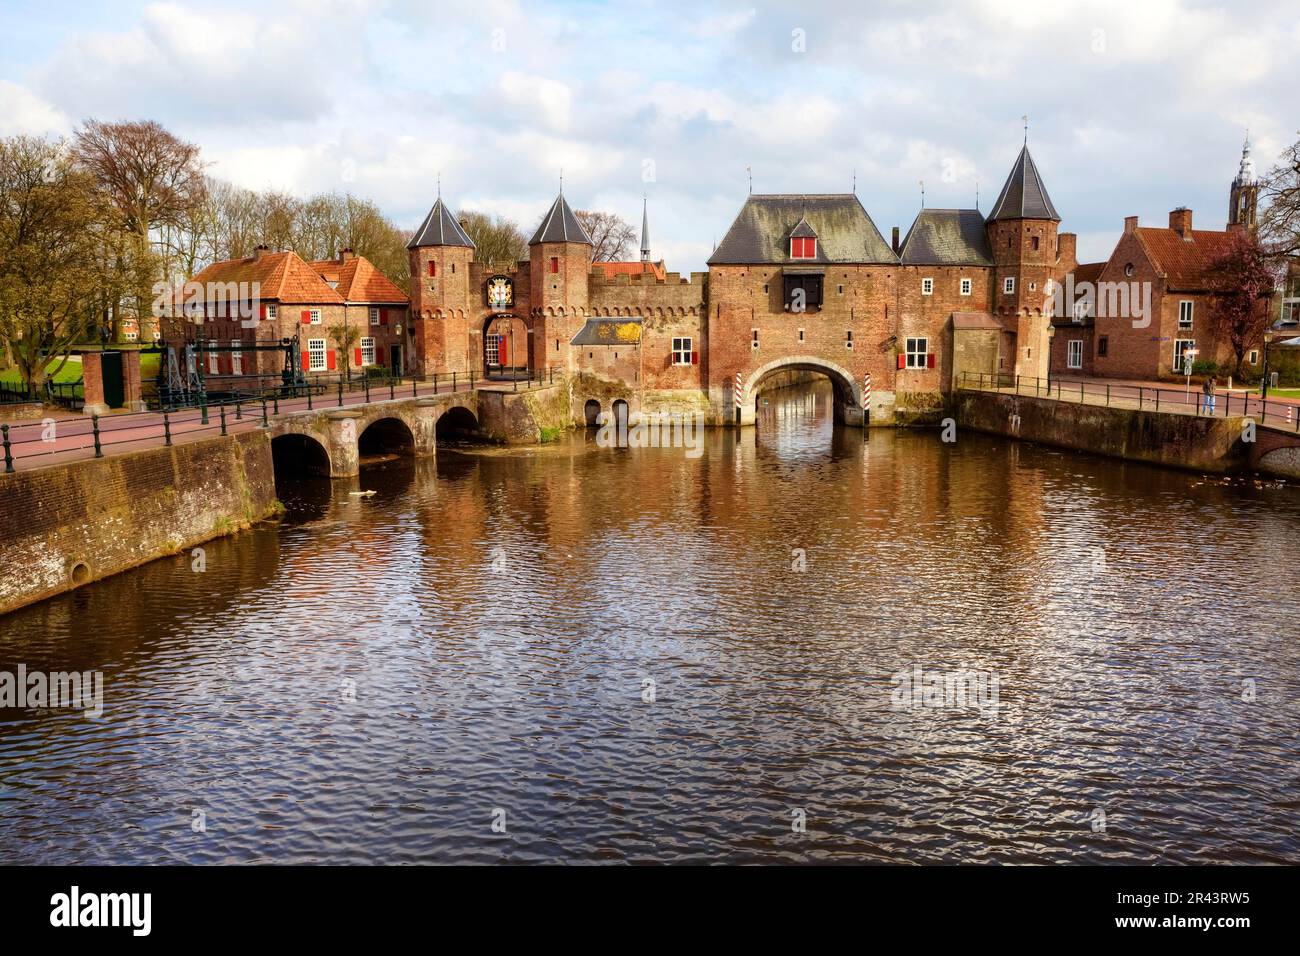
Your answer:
<point x="1024" y="196"/>
<point x="947" y="237"/>
<point x="762" y="230"/>
<point x="802" y="230"/>
<point x="440" y="228"/>
<point x="609" y="332"/>
<point x="560" y="225"/>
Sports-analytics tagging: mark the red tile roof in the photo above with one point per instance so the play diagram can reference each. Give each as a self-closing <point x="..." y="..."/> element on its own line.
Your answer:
<point x="1185" y="264"/>
<point x="1088" y="271"/>
<point x="612" y="269"/>
<point x="359" y="281"/>
<point x="282" y="276"/>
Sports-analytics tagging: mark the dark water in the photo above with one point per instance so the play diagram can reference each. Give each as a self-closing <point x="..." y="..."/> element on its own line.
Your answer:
<point x="377" y="678"/>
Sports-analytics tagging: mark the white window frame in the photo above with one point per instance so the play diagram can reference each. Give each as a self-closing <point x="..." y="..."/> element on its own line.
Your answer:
<point x="1252" y="357"/>
<point x="236" y="358"/>
<point x="374" y="316"/>
<point x="1180" y="346"/>
<point x="315" y="316"/>
<point x="493" y="348"/>
<point x="270" y="313"/>
<point x="1074" y="354"/>
<point x="316" y="355"/>
<point x="1186" y="307"/>
<point x="131" y="336"/>
<point x="214" y="360"/>
<point x="1009" y="285"/>
<point x="917" y="349"/>
<point x="367" y="345"/>
<point x="682" y="345"/>
<point x="927" y="286"/>
<point x="966" y="286"/>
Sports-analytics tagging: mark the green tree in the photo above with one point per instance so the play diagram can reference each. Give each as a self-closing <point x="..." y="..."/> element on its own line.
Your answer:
<point x="53" y="274"/>
<point x="345" y="336"/>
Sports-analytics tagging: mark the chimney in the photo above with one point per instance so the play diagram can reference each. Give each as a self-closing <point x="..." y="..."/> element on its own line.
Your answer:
<point x="262" y="250"/>
<point x="1180" y="221"/>
<point x="1067" y="247"/>
<point x="1130" y="224"/>
<point x="894" y="242"/>
<point x="346" y="254"/>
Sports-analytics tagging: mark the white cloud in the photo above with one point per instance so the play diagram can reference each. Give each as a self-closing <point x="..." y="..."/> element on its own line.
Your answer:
<point x="23" y="112"/>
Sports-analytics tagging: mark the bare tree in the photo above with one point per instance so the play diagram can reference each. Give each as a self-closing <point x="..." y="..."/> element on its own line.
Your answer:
<point x="498" y="241"/>
<point x="51" y="275"/>
<point x="1279" y="221"/>
<point x="612" y="237"/>
<point x="152" y="180"/>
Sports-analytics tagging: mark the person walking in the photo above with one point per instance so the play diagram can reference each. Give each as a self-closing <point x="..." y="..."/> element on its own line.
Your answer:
<point x="1208" y="389"/>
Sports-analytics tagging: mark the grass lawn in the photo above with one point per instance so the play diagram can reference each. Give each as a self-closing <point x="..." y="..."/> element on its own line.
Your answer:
<point x="71" y="371"/>
<point x="1279" y="392"/>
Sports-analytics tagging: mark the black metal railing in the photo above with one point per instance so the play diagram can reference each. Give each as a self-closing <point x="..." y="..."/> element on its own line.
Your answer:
<point x="27" y="444"/>
<point x="1188" y="400"/>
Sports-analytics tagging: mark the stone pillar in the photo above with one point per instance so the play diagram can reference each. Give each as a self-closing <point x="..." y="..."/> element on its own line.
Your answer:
<point x="132" y="393"/>
<point x="92" y="384"/>
<point x="425" y="430"/>
<point x="344" y="429"/>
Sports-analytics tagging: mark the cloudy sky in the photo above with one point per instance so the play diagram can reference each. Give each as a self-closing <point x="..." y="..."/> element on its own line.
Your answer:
<point x="1135" y="106"/>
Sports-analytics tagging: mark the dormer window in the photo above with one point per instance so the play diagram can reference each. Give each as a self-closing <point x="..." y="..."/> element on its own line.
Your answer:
<point x="803" y="247"/>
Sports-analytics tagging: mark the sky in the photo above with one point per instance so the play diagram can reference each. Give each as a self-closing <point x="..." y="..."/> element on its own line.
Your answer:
<point x="1134" y="106"/>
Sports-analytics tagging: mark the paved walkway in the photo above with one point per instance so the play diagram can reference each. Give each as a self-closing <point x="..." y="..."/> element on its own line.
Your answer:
<point x="1154" y="396"/>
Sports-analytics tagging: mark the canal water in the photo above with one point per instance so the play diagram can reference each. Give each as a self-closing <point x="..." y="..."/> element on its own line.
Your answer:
<point x="577" y="653"/>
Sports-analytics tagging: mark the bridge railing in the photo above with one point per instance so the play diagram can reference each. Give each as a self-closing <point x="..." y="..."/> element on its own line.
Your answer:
<point x="1184" y="401"/>
<point x="51" y="440"/>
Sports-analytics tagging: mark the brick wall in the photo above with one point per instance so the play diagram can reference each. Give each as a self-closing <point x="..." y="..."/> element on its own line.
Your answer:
<point x="69" y="524"/>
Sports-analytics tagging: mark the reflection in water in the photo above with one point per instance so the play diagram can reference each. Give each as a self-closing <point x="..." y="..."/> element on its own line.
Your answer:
<point x="370" y="678"/>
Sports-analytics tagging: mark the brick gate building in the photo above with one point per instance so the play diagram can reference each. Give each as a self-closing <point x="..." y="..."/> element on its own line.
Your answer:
<point x="799" y="282"/>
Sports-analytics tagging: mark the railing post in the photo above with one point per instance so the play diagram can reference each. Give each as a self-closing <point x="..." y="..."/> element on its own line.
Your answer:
<point x="392" y="388"/>
<point x="367" y="389"/>
<point x="223" y="418"/>
<point x="94" y="426"/>
<point x="415" y="387"/>
<point x="310" y="388"/>
<point x="1108" y="394"/>
<point x="265" y="422"/>
<point x="1139" y="398"/>
<point x="9" y="454"/>
<point x="239" y="411"/>
<point x="340" y="391"/>
<point x="167" y="429"/>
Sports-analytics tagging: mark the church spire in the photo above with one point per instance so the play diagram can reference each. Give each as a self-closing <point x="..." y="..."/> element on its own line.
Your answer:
<point x="645" y="230"/>
<point x="1244" y="194"/>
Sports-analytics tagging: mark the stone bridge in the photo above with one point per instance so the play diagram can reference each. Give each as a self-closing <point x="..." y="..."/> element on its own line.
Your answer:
<point x="1276" y="451"/>
<point x="334" y="441"/>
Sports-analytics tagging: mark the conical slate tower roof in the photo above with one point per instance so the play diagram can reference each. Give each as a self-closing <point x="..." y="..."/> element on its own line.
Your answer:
<point x="1024" y="196"/>
<point x="645" y="231"/>
<point x="440" y="228"/>
<point x="560" y="225"/>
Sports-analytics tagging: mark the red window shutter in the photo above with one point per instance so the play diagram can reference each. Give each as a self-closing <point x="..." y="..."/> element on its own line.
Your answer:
<point x="810" y="248"/>
<point x="306" y="361"/>
<point x="357" y="356"/>
<point x="796" y="248"/>
<point x="383" y="316"/>
<point x="695" y="358"/>
<point x="330" y="359"/>
<point x="306" y="316"/>
<point x="262" y="313"/>
<point x="929" y="360"/>
<point x="555" y="264"/>
<point x="902" y="360"/>
<point x="433" y="269"/>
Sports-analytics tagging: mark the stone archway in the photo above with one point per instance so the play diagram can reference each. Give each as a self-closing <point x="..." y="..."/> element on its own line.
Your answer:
<point x="848" y="393"/>
<point x="507" y="346"/>
<point x="386" y="436"/>
<point x="295" y="455"/>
